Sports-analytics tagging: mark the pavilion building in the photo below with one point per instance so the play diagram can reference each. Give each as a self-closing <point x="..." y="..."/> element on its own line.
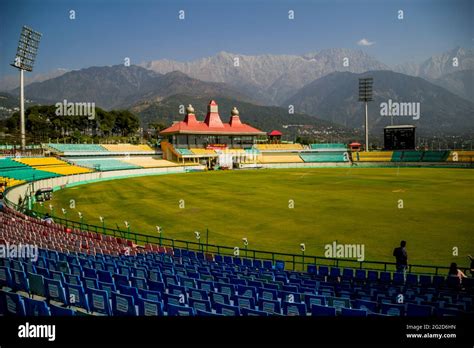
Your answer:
<point x="195" y="140"/>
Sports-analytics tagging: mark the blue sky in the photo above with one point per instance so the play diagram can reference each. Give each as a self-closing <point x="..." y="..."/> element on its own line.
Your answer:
<point x="105" y="31"/>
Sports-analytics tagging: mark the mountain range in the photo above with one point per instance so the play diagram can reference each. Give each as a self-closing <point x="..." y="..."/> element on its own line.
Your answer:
<point x="332" y="98"/>
<point x="121" y="87"/>
<point x="322" y="85"/>
<point x="271" y="78"/>
<point x="267" y="118"/>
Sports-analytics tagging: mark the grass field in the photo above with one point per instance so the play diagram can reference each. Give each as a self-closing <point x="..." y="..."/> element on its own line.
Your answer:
<point x="353" y="206"/>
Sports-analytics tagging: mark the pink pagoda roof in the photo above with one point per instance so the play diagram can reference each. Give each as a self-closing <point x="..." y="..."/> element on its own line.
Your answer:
<point x="212" y="124"/>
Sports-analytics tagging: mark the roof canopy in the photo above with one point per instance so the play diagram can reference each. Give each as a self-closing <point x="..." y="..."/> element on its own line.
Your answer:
<point x="212" y="124"/>
<point x="275" y="133"/>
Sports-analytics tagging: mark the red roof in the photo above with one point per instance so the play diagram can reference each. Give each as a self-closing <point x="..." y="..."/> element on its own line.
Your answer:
<point x="275" y="133"/>
<point x="212" y="124"/>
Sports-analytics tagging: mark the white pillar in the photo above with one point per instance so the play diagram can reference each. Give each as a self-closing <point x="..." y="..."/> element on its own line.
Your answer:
<point x="22" y="111"/>
<point x="366" y="128"/>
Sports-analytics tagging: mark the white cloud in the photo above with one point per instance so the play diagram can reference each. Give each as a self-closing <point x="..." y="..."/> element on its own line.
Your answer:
<point x="365" y="42"/>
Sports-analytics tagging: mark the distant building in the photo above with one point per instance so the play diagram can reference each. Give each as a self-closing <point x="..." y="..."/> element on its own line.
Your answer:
<point x="400" y="137"/>
<point x="191" y="133"/>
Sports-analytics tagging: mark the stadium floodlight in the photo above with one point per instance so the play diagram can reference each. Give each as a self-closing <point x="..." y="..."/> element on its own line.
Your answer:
<point x="246" y="244"/>
<point x="24" y="60"/>
<point x="366" y="95"/>
<point x="101" y="218"/>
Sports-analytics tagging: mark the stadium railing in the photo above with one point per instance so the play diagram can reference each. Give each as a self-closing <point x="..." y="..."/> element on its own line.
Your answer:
<point x="297" y="262"/>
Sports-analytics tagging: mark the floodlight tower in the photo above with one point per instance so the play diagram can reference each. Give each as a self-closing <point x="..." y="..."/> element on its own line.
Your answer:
<point x="365" y="95"/>
<point x="24" y="60"/>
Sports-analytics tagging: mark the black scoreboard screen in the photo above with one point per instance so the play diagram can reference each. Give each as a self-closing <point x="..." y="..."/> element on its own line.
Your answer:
<point x="399" y="138"/>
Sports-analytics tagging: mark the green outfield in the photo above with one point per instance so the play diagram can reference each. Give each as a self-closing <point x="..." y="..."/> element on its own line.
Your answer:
<point x="280" y="208"/>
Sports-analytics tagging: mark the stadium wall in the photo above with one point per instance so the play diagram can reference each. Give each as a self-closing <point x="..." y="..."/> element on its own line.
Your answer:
<point x="12" y="195"/>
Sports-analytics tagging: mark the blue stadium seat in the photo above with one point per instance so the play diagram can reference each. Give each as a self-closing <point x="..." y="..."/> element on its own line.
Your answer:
<point x="386" y="277"/>
<point x="156" y="285"/>
<point x="246" y="291"/>
<point x="36" y="308"/>
<point x="12" y="304"/>
<point x="438" y="281"/>
<point x="198" y="294"/>
<point x="226" y="289"/>
<point x="99" y="301"/>
<point x="105" y="276"/>
<point x="323" y="311"/>
<point x="311" y="269"/>
<point x="169" y="299"/>
<point x="203" y="305"/>
<point x="174" y="310"/>
<point x="58" y="311"/>
<point x="89" y="272"/>
<point x="348" y="274"/>
<point x="90" y="283"/>
<point x="294" y="308"/>
<point x="335" y="272"/>
<point x="372" y="276"/>
<point x="267" y="264"/>
<point x="412" y="279"/>
<point x="121" y="279"/>
<point x="414" y="310"/>
<point x="76" y="296"/>
<point x="200" y="313"/>
<point x="176" y="289"/>
<point x="72" y="279"/>
<point x="267" y="294"/>
<point x="217" y="297"/>
<point x="123" y="305"/>
<point x="109" y="287"/>
<point x="129" y="290"/>
<point x="57" y="275"/>
<point x="140" y="283"/>
<point x="226" y="309"/>
<point x="398" y="278"/>
<point x="392" y="309"/>
<point x="348" y="312"/>
<point x="280" y="265"/>
<point x="150" y="295"/>
<point x="247" y="312"/>
<point x="323" y="271"/>
<point x="448" y="312"/>
<point x="370" y="306"/>
<point x="270" y="306"/>
<point x="247" y="262"/>
<point x="20" y="281"/>
<point x="5" y="277"/>
<point x="148" y="307"/>
<point x="339" y="302"/>
<point x="187" y="282"/>
<point x="361" y="274"/>
<point x="311" y="299"/>
<point x="55" y="291"/>
<point x="244" y="302"/>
